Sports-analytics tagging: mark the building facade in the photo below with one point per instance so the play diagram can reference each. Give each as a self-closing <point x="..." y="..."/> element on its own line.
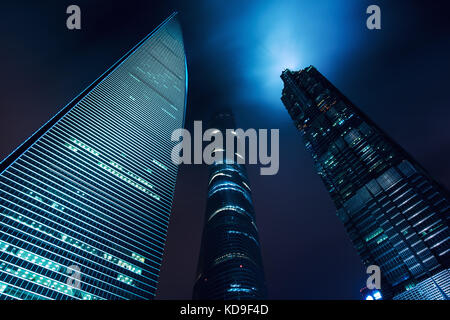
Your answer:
<point x="230" y="264"/>
<point x="395" y="214"/>
<point x="86" y="201"/>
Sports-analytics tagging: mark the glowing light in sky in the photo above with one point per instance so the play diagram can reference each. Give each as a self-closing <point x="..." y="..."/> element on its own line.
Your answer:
<point x="273" y="36"/>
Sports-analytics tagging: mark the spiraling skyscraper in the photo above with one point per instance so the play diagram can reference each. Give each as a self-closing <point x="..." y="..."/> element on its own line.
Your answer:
<point x="86" y="200"/>
<point x="230" y="264"/>
<point x="395" y="214"/>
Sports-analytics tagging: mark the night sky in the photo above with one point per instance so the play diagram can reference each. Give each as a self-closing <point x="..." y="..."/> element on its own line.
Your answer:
<point x="236" y="51"/>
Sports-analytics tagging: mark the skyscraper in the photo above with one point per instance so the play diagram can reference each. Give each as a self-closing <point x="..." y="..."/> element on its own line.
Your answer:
<point x="86" y="200"/>
<point x="230" y="264"/>
<point x="395" y="214"/>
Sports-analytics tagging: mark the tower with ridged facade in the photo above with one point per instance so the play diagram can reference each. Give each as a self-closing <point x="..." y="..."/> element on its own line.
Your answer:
<point x="230" y="264"/>
<point x="395" y="214"/>
<point x="86" y="200"/>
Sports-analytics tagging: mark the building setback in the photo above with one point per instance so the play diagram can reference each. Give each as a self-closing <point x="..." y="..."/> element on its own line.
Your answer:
<point x="395" y="214"/>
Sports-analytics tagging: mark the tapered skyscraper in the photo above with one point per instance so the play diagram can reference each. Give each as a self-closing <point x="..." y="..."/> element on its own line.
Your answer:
<point x="86" y="200"/>
<point x="230" y="264"/>
<point x="395" y="214"/>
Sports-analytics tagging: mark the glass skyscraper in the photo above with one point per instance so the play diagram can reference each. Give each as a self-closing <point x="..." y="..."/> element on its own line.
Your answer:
<point x="230" y="264"/>
<point x="86" y="200"/>
<point x="395" y="214"/>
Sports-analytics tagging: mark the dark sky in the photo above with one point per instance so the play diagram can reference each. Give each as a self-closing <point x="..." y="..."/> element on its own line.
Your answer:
<point x="236" y="51"/>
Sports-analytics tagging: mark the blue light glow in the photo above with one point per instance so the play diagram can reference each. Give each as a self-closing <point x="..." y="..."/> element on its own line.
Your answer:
<point x="377" y="295"/>
<point x="280" y="35"/>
